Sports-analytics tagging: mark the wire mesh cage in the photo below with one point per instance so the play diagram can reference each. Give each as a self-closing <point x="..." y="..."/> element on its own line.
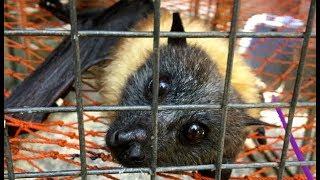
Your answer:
<point x="278" y="55"/>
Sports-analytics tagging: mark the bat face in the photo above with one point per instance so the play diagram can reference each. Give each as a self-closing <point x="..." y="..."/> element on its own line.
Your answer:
<point x="191" y="72"/>
<point x="187" y="76"/>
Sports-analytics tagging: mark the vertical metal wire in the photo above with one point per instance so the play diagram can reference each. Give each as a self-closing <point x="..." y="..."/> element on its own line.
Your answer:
<point x="75" y="43"/>
<point x="155" y="88"/>
<point x="224" y="104"/>
<point x="308" y="134"/>
<point x="7" y="153"/>
<point x="296" y="89"/>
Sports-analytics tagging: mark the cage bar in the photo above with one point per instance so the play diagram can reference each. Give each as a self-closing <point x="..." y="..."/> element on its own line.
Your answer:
<point x="161" y="107"/>
<point x="225" y="98"/>
<point x="213" y="34"/>
<point x="77" y="70"/>
<point x="159" y="169"/>
<point x="155" y="88"/>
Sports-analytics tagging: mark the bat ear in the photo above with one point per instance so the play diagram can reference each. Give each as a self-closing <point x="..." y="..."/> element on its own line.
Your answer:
<point x="253" y="122"/>
<point x="177" y="26"/>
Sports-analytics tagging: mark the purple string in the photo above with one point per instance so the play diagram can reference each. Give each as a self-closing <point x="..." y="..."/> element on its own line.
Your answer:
<point x="293" y="142"/>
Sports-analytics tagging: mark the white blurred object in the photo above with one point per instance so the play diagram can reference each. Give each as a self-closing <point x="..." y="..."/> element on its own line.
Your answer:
<point x="269" y="21"/>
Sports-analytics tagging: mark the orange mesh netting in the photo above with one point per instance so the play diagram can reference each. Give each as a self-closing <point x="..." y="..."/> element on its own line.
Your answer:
<point x="55" y="145"/>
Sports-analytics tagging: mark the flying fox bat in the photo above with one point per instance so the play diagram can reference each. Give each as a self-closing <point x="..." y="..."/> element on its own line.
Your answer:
<point x="192" y="71"/>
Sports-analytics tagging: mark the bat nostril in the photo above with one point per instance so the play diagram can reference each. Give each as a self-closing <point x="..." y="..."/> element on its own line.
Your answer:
<point x="116" y="137"/>
<point x="135" y="153"/>
<point x="113" y="139"/>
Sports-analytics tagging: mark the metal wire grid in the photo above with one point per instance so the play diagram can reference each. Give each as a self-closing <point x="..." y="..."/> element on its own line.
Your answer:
<point x="156" y="34"/>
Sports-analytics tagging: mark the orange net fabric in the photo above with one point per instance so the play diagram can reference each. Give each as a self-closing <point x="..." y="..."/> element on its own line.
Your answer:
<point x="55" y="145"/>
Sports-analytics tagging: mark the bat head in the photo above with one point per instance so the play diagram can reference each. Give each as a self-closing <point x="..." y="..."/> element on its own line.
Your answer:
<point x="185" y="137"/>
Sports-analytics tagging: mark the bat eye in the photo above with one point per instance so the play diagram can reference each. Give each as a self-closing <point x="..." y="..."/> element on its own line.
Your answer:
<point x="194" y="132"/>
<point x="164" y="87"/>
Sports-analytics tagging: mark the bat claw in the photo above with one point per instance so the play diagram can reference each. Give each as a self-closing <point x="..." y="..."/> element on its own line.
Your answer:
<point x="58" y="9"/>
<point x="261" y="132"/>
<point x="50" y="4"/>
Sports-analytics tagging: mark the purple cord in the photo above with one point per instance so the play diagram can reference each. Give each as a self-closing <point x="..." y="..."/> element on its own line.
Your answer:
<point x="293" y="142"/>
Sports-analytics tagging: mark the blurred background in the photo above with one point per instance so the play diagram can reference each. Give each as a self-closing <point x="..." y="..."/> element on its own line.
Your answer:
<point x="274" y="60"/>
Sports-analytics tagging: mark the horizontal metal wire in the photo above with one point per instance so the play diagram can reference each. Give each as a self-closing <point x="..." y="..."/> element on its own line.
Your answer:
<point x="159" y="169"/>
<point x="216" y="34"/>
<point x="148" y="108"/>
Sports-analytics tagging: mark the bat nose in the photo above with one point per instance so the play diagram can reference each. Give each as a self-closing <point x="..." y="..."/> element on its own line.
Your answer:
<point x="135" y="153"/>
<point x="129" y="144"/>
<point x="122" y="138"/>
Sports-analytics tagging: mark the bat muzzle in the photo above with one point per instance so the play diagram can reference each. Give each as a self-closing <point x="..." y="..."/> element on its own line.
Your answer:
<point x="128" y="146"/>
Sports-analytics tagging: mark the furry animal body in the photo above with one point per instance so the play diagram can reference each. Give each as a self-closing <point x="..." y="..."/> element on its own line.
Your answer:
<point x="190" y="73"/>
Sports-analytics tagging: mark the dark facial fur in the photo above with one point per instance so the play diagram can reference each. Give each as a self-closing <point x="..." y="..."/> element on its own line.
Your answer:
<point x="193" y="79"/>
